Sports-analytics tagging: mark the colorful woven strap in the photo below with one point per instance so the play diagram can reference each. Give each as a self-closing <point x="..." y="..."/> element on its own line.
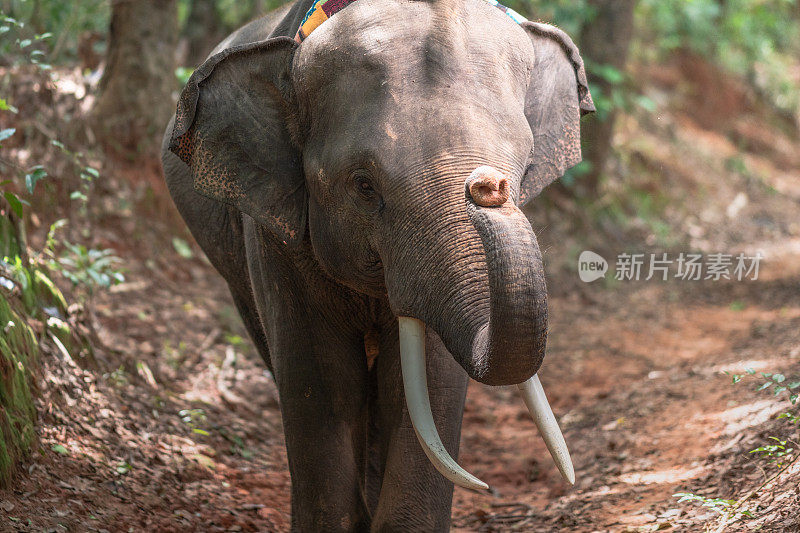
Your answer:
<point x="322" y="10"/>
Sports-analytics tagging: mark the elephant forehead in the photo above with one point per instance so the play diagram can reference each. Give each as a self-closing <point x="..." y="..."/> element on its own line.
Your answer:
<point x="389" y="118"/>
<point x="417" y="43"/>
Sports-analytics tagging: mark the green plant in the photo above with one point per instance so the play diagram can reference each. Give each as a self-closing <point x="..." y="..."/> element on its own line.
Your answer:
<point x="774" y="452"/>
<point x="779" y="452"/>
<point x="84" y="267"/>
<point x="30" y="302"/>
<point x="14" y="201"/>
<point x="23" y="291"/>
<point x="726" y="508"/>
<point x="182" y="248"/>
<point x="27" y="48"/>
<point x="175" y="355"/>
<point x="19" y="351"/>
<point x="237" y="443"/>
<point x="570" y="15"/>
<point x="23" y="43"/>
<point x="122" y="468"/>
<point x="792" y="418"/>
<point x="777" y="382"/>
<point x="183" y="74"/>
<point x="66" y="19"/>
<point x="118" y="378"/>
<point x="60" y="449"/>
<point x="194" y="418"/>
<point x="88" y="175"/>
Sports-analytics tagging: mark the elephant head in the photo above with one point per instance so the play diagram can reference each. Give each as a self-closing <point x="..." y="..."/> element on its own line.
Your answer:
<point x="398" y="141"/>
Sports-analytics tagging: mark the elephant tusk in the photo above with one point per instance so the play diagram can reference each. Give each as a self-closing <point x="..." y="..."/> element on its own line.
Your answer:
<point x="536" y="401"/>
<point x="415" y="383"/>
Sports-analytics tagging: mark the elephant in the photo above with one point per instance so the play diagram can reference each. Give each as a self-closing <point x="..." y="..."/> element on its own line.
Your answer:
<point x="359" y="189"/>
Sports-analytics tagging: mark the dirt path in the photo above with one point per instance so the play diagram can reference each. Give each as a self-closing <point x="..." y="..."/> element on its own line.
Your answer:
<point x="634" y="371"/>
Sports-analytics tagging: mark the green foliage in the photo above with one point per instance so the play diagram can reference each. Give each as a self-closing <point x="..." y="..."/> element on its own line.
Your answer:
<point x="793" y="418"/>
<point x="22" y="43"/>
<point x="779" y="452"/>
<point x="28" y="295"/>
<point x="777" y="382"/>
<point x="36" y="290"/>
<point x="182" y="247"/>
<point x="60" y="449"/>
<point x="195" y="419"/>
<point x="236" y="442"/>
<point x="183" y="74"/>
<point x="122" y="468"/>
<point x="35" y="175"/>
<point x="736" y="31"/>
<point x="774" y="452"/>
<point x="14" y="201"/>
<point x="758" y="40"/>
<point x="236" y="12"/>
<point x="21" y="293"/>
<point x="25" y="51"/>
<point x="5" y="106"/>
<point x="233" y="13"/>
<point x="67" y="20"/>
<point x="88" y="175"/>
<point x="726" y="508"/>
<point x="779" y="386"/>
<point x="566" y="14"/>
<point x="118" y="378"/>
<point x="9" y="245"/>
<point x="19" y="352"/>
<point x="87" y="267"/>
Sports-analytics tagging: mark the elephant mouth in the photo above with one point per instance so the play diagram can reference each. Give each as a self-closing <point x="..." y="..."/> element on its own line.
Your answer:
<point x="415" y="384"/>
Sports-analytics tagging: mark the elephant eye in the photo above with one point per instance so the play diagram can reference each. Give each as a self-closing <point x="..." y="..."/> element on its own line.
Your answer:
<point x="363" y="185"/>
<point x="364" y="192"/>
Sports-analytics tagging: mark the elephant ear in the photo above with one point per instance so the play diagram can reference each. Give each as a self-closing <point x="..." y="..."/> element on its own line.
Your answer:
<point x="558" y="95"/>
<point x="231" y="129"/>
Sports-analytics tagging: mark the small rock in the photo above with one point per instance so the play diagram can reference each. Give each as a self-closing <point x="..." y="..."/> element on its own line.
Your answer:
<point x="251" y="507"/>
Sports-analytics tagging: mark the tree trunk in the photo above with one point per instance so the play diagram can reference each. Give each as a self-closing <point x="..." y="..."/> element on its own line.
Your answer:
<point x="135" y="99"/>
<point x="203" y="30"/>
<point x="604" y="41"/>
<point x="261" y="7"/>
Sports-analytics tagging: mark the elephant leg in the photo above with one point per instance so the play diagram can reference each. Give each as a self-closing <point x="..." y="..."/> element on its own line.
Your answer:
<point x="375" y="456"/>
<point x="414" y="496"/>
<point x="322" y="386"/>
<point x="320" y="368"/>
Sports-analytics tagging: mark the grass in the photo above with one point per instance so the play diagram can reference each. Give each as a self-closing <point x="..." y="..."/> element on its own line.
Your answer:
<point x="19" y="351"/>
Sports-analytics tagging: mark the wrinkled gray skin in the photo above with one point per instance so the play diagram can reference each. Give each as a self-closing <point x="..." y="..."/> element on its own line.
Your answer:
<point x="326" y="183"/>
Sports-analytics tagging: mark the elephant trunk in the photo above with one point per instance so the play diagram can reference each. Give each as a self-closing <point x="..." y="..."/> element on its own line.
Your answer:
<point x="509" y="347"/>
<point x="475" y="276"/>
<point x="468" y="265"/>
